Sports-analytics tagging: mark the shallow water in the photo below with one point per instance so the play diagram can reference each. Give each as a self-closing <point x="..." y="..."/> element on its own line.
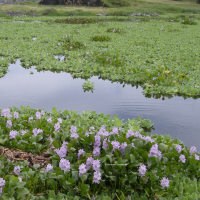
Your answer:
<point x="176" y="117"/>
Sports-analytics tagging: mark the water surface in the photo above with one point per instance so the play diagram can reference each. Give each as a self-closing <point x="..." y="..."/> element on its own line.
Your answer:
<point x="176" y="117"/>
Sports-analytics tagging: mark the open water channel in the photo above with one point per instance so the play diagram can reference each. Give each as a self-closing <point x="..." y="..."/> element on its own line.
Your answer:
<point x="176" y="117"/>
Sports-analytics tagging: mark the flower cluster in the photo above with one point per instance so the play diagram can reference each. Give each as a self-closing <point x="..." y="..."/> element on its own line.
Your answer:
<point x="155" y="152"/>
<point x="64" y="164"/>
<point x="17" y="170"/>
<point x="165" y="182"/>
<point x="6" y="113"/>
<point x="16" y="115"/>
<point x="142" y="170"/>
<point x="62" y="152"/>
<point x="2" y="185"/>
<point x="9" y="123"/>
<point x="49" y="167"/>
<point x="37" y="131"/>
<point x="38" y="115"/>
<point x="12" y="134"/>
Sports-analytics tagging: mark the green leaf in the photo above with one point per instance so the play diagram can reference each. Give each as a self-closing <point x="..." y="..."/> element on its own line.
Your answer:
<point x="132" y="158"/>
<point x="127" y="149"/>
<point x="163" y="147"/>
<point x="21" y="192"/>
<point x="56" y="144"/>
<point x="132" y="178"/>
<point x="138" y="143"/>
<point x="83" y="177"/>
<point x="151" y="160"/>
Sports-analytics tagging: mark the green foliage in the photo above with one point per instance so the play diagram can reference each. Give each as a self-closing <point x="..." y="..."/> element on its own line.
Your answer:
<point x="120" y="177"/>
<point x="87" y="86"/>
<point x="101" y="38"/>
<point x="117" y="3"/>
<point x="113" y="30"/>
<point x="189" y="22"/>
<point x="73" y="20"/>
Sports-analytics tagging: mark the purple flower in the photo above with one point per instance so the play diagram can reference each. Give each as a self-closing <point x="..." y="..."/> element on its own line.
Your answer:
<point x="97" y="177"/>
<point x="17" y="170"/>
<point x="91" y="128"/>
<point x="105" y="144"/>
<point x="62" y="152"/>
<point x="73" y="129"/>
<point x="6" y="113"/>
<point x="12" y="134"/>
<point x="97" y="142"/>
<point x="74" y="135"/>
<point x="129" y="134"/>
<point x="58" y="44"/>
<point x="133" y="145"/>
<point x="2" y="182"/>
<point x="96" y="165"/>
<point x="38" y="116"/>
<point x="20" y="179"/>
<point x="142" y="170"/>
<point x="42" y="112"/>
<point x="178" y="148"/>
<point x="154" y="152"/>
<point x="64" y="145"/>
<point x="49" y="167"/>
<point x="23" y="132"/>
<point x="193" y="149"/>
<point x="49" y="120"/>
<point x="29" y="119"/>
<point x="116" y="144"/>
<point x="57" y="126"/>
<point x="123" y="145"/>
<point x="154" y="78"/>
<point x="9" y="123"/>
<point x="87" y="134"/>
<point x="96" y="151"/>
<point x="60" y="120"/>
<point x="16" y="115"/>
<point x="64" y="164"/>
<point x="82" y="169"/>
<point x="196" y="157"/>
<point x="80" y="152"/>
<point x="89" y="162"/>
<point x="115" y="131"/>
<point x="148" y="138"/>
<point x="182" y="158"/>
<point x="165" y="182"/>
<point x="37" y="131"/>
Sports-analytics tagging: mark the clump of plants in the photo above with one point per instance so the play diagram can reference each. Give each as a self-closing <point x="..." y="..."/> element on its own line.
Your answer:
<point x="101" y="38"/>
<point x="114" y="30"/>
<point x="88" y="86"/>
<point x="189" y="22"/>
<point x="73" y="45"/>
<point x="73" y="20"/>
<point x="93" y="156"/>
<point x="105" y="59"/>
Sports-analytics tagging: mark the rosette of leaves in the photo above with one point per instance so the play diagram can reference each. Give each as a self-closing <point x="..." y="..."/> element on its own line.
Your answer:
<point x="87" y="86"/>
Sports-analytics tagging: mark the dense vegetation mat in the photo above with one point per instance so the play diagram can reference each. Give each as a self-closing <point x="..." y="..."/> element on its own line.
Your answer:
<point x="94" y="157"/>
<point x="160" y="55"/>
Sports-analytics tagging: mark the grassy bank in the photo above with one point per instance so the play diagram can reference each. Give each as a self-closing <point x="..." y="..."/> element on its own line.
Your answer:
<point x="147" y="6"/>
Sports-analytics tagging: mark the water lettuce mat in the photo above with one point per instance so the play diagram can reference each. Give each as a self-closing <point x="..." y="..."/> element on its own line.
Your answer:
<point x="160" y="55"/>
<point x="65" y="155"/>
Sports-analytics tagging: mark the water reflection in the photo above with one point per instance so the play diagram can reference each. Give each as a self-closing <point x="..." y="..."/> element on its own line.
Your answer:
<point x="176" y="117"/>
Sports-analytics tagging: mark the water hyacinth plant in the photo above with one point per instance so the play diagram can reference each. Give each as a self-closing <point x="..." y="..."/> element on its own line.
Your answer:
<point x="91" y="155"/>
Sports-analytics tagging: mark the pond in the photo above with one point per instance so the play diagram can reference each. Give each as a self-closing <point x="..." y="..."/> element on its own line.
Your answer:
<point x="176" y="117"/>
